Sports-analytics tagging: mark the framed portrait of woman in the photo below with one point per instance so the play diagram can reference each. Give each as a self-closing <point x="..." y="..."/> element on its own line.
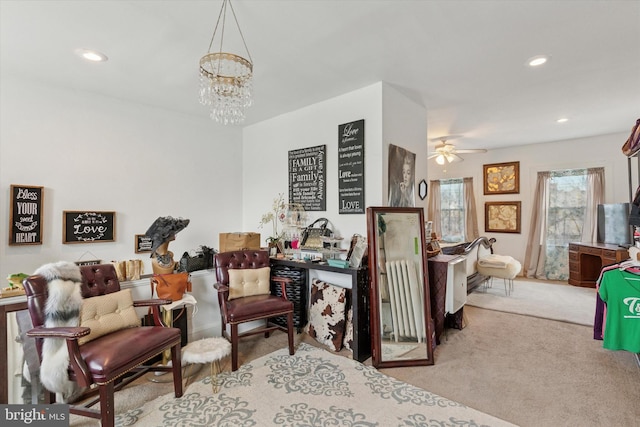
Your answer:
<point x="402" y="172"/>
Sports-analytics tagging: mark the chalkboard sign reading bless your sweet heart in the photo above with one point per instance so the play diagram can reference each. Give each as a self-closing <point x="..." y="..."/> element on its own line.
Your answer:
<point x="88" y="227"/>
<point x="26" y="215"/>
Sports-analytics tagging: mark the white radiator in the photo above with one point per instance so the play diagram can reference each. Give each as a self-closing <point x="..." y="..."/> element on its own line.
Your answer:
<point x="406" y="296"/>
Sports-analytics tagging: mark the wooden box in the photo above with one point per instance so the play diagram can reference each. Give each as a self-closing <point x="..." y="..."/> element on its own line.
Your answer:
<point x="239" y="241"/>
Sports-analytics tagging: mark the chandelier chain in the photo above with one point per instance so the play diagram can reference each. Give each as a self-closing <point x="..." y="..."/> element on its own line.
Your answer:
<point x="225" y="78"/>
<point x="223" y="15"/>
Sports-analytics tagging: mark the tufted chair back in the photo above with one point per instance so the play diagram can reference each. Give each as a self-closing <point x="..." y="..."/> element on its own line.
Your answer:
<point x="225" y="261"/>
<point x="98" y="280"/>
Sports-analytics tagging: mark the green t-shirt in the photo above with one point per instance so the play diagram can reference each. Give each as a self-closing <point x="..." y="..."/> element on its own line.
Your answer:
<point x="621" y="291"/>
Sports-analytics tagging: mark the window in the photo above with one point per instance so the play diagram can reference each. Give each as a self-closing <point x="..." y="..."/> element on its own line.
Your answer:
<point x="565" y="218"/>
<point x="452" y="218"/>
<point x="567" y="204"/>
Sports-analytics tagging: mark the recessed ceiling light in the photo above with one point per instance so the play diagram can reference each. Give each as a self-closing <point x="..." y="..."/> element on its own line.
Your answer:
<point x="91" y="55"/>
<point x="536" y="61"/>
<point x="562" y="120"/>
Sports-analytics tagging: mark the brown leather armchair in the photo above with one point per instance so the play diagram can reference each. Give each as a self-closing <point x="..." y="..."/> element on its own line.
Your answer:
<point x="101" y="365"/>
<point x="258" y="305"/>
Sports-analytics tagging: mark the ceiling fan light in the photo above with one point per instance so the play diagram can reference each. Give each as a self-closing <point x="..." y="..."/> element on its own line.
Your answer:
<point x="536" y="61"/>
<point x="449" y="157"/>
<point x="440" y="159"/>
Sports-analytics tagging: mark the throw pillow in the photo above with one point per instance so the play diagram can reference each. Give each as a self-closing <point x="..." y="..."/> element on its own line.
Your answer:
<point x="327" y="314"/>
<point x="249" y="281"/>
<point x="108" y="313"/>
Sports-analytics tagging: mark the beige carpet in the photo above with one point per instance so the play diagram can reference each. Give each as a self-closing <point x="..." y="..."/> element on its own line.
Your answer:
<point x="312" y="388"/>
<point x="549" y="300"/>
<point x="529" y="371"/>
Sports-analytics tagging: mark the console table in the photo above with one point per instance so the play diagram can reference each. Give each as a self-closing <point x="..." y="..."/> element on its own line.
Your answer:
<point x="8" y="305"/>
<point x="440" y="266"/>
<point x="587" y="259"/>
<point x="300" y="271"/>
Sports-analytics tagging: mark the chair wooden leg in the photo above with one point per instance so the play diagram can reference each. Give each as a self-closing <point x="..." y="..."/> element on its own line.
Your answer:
<point x="290" y="333"/>
<point x="234" y="347"/>
<point x="107" y="410"/>
<point x="176" y="363"/>
<point x="267" y="334"/>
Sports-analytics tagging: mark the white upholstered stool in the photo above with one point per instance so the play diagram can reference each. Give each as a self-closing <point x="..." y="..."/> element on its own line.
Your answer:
<point x="502" y="266"/>
<point x="207" y="350"/>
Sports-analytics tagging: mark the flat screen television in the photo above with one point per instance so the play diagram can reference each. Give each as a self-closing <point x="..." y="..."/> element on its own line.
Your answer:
<point x="613" y="224"/>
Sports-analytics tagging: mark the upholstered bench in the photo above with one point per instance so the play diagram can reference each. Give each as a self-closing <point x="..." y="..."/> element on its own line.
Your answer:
<point x="501" y="266"/>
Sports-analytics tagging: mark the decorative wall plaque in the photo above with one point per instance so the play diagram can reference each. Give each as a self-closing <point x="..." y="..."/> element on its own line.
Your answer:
<point x="26" y="215"/>
<point x="88" y="227"/>
<point x="351" y="168"/>
<point x="307" y="178"/>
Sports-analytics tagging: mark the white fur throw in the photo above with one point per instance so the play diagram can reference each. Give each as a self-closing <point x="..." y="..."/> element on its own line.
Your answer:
<point x="62" y="309"/>
<point x="205" y="350"/>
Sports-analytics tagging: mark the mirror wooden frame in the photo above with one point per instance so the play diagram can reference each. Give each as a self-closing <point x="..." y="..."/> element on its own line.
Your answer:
<point x="378" y="279"/>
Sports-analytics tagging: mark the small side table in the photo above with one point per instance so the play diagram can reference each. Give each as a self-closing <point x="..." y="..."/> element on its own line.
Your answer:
<point x="207" y="350"/>
<point x="167" y="319"/>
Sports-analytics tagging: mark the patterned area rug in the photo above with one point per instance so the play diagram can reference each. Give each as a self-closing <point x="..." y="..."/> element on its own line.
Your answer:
<point x="312" y="388"/>
<point x="551" y="300"/>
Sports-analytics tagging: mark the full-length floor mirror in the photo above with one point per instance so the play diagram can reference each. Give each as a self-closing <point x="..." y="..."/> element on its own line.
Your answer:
<point x="400" y="310"/>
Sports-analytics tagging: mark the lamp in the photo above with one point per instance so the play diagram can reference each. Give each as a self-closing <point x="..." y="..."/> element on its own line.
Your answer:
<point x="443" y="158"/>
<point x="226" y="83"/>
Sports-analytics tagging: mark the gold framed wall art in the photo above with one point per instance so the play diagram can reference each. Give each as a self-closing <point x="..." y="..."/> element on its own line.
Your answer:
<point x="502" y="217"/>
<point x="501" y="178"/>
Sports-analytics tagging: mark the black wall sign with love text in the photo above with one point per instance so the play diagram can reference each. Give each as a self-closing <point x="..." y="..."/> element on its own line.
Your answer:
<point x="351" y="168"/>
<point x="88" y="227"/>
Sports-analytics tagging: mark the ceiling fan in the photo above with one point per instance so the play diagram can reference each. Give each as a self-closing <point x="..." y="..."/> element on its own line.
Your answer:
<point x="448" y="153"/>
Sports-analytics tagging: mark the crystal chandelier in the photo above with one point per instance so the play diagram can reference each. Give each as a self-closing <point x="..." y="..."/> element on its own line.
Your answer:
<point x="226" y="83"/>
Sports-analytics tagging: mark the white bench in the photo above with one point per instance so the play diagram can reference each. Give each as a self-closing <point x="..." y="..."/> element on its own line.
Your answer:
<point x="501" y="266"/>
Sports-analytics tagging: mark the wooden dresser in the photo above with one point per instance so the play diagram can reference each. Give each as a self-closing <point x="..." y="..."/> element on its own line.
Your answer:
<point x="587" y="259"/>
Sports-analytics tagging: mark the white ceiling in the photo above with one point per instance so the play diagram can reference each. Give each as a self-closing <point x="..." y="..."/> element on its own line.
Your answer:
<point x="463" y="60"/>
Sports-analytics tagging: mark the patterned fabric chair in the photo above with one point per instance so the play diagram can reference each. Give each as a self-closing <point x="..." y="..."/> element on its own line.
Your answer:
<point x="100" y="365"/>
<point x="244" y="295"/>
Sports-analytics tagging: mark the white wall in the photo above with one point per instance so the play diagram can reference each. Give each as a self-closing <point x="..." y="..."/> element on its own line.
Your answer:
<point x="390" y="118"/>
<point x="405" y="125"/>
<point x="97" y="153"/>
<point x="266" y="147"/>
<point x="600" y="151"/>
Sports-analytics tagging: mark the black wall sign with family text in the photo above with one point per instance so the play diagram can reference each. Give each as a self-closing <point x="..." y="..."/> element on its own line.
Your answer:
<point x="26" y="215"/>
<point x="307" y="178"/>
<point x="351" y="168"/>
